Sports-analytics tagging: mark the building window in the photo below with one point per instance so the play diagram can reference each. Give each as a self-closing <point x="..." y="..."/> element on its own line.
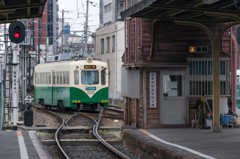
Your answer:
<point x="113" y="43"/>
<point x="120" y="9"/>
<point x="108" y="44"/>
<point x="200" y="77"/>
<point x="107" y="8"/>
<point x="102" y="46"/>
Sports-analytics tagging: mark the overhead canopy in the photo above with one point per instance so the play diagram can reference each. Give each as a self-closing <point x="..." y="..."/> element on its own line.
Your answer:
<point x="11" y="10"/>
<point x="204" y="11"/>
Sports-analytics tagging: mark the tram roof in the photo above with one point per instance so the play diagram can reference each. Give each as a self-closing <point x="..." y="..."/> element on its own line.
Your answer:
<point x="82" y="62"/>
<point x="203" y="11"/>
<point x="11" y="10"/>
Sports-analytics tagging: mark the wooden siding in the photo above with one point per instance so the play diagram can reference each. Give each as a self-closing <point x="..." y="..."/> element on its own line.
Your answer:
<point x="133" y="112"/>
<point x="153" y="114"/>
<point x="167" y="42"/>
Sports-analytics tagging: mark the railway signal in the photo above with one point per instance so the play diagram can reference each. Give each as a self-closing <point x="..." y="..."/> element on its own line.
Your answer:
<point x="17" y="32"/>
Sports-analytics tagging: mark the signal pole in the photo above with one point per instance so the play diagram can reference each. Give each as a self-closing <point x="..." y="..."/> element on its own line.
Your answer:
<point x="15" y="86"/>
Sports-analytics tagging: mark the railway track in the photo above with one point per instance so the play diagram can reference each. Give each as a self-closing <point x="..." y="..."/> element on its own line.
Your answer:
<point x="64" y="122"/>
<point x="102" y="143"/>
<point x="107" y="147"/>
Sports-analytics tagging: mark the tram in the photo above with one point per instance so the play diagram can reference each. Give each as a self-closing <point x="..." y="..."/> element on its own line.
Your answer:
<point x="81" y="84"/>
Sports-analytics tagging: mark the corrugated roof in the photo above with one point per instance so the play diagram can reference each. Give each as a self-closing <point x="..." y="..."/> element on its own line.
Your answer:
<point x="206" y="11"/>
<point x="11" y="10"/>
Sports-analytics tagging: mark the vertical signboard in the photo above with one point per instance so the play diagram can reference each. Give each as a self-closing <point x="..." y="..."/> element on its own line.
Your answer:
<point x="50" y="21"/>
<point x="153" y="91"/>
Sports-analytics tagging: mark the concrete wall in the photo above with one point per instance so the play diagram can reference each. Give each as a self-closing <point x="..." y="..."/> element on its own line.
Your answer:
<point x="103" y="33"/>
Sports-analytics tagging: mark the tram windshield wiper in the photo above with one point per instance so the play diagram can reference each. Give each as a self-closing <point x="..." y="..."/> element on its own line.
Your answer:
<point x="87" y="81"/>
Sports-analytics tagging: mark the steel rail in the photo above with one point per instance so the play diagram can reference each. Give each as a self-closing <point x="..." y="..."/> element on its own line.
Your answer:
<point x="64" y="121"/>
<point x="56" y="135"/>
<point x="102" y="141"/>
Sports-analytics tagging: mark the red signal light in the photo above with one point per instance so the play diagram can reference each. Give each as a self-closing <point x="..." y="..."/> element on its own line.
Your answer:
<point x="17" y="35"/>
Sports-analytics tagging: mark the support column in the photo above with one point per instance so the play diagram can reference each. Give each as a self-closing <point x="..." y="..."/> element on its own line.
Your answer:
<point x="216" y="88"/>
<point x="215" y="57"/>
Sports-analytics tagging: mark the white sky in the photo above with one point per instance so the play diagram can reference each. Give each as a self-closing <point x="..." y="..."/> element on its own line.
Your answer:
<point x="71" y="6"/>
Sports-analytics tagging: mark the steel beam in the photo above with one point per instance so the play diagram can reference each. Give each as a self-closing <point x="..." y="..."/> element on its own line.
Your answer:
<point x="216" y="74"/>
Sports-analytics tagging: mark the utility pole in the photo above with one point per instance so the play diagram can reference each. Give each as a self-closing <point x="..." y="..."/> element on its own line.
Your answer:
<point x="63" y="41"/>
<point x="46" y="46"/>
<point x="86" y="28"/>
<point x="39" y="40"/>
<point x="62" y="28"/>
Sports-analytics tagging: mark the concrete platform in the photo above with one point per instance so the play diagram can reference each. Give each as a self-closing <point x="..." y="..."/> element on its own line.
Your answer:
<point x="183" y="143"/>
<point x="21" y="145"/>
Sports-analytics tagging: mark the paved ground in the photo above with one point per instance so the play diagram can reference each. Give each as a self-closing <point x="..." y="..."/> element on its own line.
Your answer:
<point x="21" y="145"/>
<point x="225" y="145"/>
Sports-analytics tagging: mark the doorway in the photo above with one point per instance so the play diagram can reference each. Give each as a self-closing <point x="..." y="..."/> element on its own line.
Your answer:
<point x="173" y="109"/>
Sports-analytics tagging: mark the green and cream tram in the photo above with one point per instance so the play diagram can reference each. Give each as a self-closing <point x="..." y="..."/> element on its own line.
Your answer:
<point x="79" y="84"/>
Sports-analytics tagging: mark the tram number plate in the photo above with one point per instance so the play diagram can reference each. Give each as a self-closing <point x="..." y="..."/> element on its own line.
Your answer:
<point x="91" y="88"/>
<point x="90" y="66"/>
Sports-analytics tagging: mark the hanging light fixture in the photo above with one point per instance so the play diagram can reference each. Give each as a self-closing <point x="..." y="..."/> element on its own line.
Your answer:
<point x="209" y="1"/>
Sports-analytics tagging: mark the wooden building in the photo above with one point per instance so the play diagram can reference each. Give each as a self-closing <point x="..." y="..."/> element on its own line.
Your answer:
<point x="167" y="67"/>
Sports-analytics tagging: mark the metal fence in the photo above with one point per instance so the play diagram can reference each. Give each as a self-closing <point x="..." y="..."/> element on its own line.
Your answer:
<point x="201" y="77"/>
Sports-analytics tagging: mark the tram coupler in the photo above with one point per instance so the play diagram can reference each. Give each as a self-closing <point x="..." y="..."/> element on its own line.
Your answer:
<point x="81" y="107"/>
<point x="98" y="106"/>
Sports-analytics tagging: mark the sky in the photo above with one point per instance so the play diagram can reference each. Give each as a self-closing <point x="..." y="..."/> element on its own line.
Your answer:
<point x="75" y="22"/>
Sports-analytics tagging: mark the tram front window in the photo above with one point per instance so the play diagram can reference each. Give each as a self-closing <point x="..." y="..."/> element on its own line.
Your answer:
<point x="90" y="77"/>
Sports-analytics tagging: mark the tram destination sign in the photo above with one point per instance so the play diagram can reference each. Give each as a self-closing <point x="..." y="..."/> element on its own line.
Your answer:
<point x="90" y="66"/>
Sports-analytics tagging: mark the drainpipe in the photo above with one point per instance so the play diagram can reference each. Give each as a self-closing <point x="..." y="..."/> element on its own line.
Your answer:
<point x="115" y="63"/>
<point x="234" y="52"/>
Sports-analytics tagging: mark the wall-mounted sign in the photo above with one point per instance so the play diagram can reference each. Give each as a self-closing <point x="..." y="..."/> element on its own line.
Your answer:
<point x="197" y="49"/>
<point x="153" y="92"/>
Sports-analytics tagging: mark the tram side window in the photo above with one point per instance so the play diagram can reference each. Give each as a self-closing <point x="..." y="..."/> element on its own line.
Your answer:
<point x="49" y="78"/>
<point x="35" y="78"/>
<point x="57" y="77"/>
<point x="67" y="77"/>
<point x="61" y="77"/>
<point x="44" y="79"/>
<point x="64" y="77"/>
<point x="41" y="78"/>
<point x="76" y="77"/>
<point x="38" y="78"/>
<point x="103" y="77"/>
<point x="54" y="77"/>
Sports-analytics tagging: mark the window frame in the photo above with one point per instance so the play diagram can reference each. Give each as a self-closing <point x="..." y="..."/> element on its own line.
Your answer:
<point x="102" y="46"/>
<point x="113" y="43"/>
<point x="76" y="82"/>
<point x="108" y="44"/>
<point x="92" y="81"/>
<point x="105" y="82"/>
